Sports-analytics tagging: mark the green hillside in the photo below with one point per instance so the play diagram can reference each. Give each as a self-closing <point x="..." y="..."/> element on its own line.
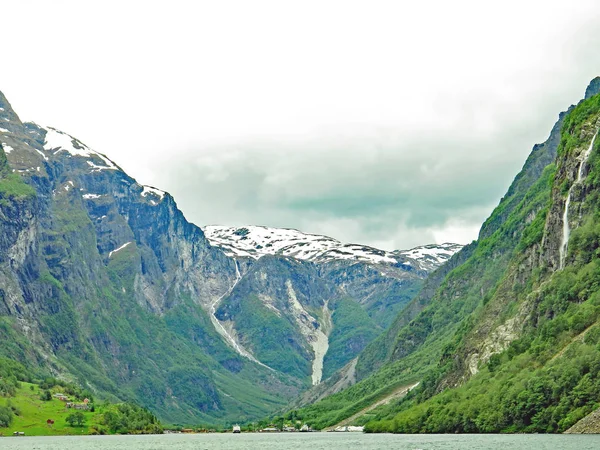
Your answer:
<point x="547" y="376"/>
<point x="52" y="407"/>
<point x="506" y="341"/>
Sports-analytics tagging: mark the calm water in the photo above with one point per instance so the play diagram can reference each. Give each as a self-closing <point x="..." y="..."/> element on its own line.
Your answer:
<point x="308" y="441"/>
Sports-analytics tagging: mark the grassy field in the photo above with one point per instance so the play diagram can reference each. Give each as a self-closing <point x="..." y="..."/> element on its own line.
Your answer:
<point x="33" y="414"/>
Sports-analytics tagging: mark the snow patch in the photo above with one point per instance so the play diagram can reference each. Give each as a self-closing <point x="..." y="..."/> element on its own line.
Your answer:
<point x="4" y="130"/>
<point x="42" y="153"/>
<point x="361" y="253"/>
<point x="97" y="168"/>
<point x="444" y="251"/>
<point x="57" y="141"/>
<point x="149" y="190"/>
<point x="120" y="248"/>
<point x="91" y="196"/>
<point x="7" y="148"/>
<point x="258" y="241"/>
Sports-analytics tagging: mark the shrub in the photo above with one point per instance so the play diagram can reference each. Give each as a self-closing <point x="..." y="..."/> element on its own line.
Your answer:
<point x="6" y="416"/>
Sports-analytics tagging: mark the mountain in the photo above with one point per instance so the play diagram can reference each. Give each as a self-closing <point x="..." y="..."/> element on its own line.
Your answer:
<point x="257" y="241"/>
<point x="104" y="283"/>
<point x="323" y="301"/>
<point x="370" y="285"/>
<point x="504" y="337"/>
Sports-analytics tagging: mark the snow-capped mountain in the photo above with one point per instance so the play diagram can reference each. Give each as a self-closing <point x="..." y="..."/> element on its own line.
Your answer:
<point x="258" y="241"/>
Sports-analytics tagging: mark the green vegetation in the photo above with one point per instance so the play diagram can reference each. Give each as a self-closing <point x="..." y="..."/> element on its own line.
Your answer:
<point x="76" y="419"/>
<point x="129" y="419"/>
<point x="543" y="382"/>
<point x="353" y="329"/>
<point x="6" y="416"/>
<point x="12" y="185"/>
<point x="549" y="378"/>
<point x="528" y="387"/>
<point x="271" y="336"/>
<point x="35" y="409"/>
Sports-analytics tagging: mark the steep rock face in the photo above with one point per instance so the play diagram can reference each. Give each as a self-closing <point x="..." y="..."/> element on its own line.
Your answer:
<point x="524" y="233"/>
<point x="531" y="215"/>
<point x="540" y="249"/>
<point x="593" y="88"/>
<point x="110" y="285"/>
<point x="541" y="239"/>
<point x="570" y="190"/>
<point x="379" y="352"/>
<point x="297" y="283"/>
<point x="294" y="320"/>
<point x="268" y="320"/>
<point x="381" y="290"/>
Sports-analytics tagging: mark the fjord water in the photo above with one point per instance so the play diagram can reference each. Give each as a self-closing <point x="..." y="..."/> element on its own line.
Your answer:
<point x="301" y="441"/>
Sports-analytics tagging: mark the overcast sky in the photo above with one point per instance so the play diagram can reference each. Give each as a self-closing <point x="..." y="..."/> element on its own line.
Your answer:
<point x="384" y="123"/>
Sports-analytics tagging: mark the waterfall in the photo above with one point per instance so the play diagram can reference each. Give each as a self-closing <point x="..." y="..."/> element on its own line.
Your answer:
<point x="566" y="230"/>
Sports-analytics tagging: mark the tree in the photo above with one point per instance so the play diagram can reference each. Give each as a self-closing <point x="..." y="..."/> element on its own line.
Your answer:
<point x="76" y="419"/>
<point x="6" y="416"/>
<point x="46" y="395"/>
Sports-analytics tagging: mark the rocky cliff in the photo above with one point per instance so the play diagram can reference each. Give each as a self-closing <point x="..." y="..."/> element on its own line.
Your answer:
<point x="104" y="282"/>
<point x="308" y="304"/>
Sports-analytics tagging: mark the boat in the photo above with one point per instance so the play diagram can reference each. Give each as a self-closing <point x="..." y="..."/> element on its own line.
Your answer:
<point x="237" y="429"/>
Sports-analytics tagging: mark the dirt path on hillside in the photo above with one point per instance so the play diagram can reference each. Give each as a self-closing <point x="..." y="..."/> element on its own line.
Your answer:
<point x="578" y="338"/>
<point x="397" y="393"/>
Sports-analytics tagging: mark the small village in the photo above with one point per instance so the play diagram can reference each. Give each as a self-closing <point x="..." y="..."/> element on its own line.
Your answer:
<point x="84" y="406"/>
<point x="271" y="428"/>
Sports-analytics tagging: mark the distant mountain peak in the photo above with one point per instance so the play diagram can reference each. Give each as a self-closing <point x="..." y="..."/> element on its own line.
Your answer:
<point x="257" y="241"/>
<point x="593" y="88"/>
<point x="6" y="111"/>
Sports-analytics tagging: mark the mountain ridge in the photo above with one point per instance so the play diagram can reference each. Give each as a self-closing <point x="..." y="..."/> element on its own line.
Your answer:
<point x="255" y="241"/>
